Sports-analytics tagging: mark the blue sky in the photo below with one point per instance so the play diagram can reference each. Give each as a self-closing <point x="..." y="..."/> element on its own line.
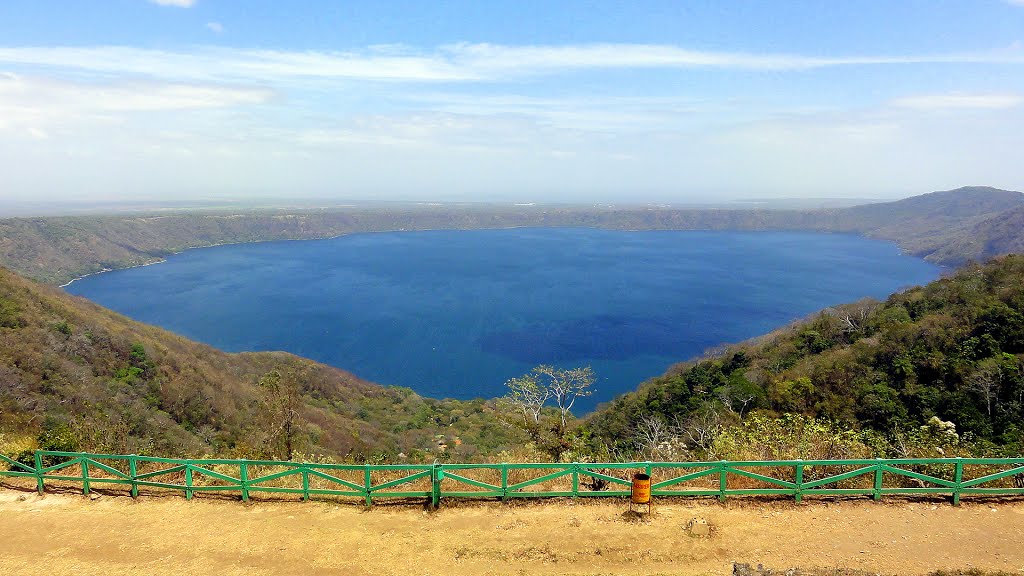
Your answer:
<point x="508" y="101"/>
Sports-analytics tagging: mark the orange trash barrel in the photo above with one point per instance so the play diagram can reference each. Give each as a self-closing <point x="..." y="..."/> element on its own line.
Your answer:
<point x="641" y="492"/>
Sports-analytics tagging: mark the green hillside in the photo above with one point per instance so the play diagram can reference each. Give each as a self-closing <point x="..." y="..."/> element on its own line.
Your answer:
<point x="953" y="349"/>
<point x="75" y="375"/>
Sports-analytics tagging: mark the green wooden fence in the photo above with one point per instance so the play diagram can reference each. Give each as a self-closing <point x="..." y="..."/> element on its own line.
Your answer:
<point x="954" y="477"/>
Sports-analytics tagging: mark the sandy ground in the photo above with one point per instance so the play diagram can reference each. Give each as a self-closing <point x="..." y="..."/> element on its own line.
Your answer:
<point x="69" y="534"/>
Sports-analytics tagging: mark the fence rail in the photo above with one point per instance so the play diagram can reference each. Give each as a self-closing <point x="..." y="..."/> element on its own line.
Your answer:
<point x="954" y="477"/>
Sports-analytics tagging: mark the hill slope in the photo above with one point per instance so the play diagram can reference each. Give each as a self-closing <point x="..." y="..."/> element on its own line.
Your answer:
<point x="999" y="234"/>
<point x="944" y="227"/>
<point x="80" y="376"/>
<point x="952" y="349"/>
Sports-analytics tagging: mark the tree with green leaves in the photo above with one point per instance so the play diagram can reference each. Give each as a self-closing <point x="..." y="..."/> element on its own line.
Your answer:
<point x="565" y="386"/>
<point x="528" y="395"/>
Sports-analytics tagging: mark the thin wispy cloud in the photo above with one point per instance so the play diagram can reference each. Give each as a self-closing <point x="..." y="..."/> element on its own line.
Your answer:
<point x="545" y="59"/>
<point x="453" y="63"/>
<point x="590" y="112"/>
<point x="215" y="27"/>
<point x="960" y="101"/>
<point x="176" y="3"/>
<point x="212" y="63"/>
<point x="29" y="97"/>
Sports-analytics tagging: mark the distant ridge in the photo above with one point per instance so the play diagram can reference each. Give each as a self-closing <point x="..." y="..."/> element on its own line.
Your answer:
<point x="948" y="227"/>
<point x="962" y="202"/>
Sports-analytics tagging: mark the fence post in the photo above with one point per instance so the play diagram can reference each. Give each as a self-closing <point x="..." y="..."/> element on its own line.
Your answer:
<point x="39" y="472"/>
<point x="649" y="470"/>
<point x="799" y="481"/>
<point x="133" y="471"/>
<point x="305" y="484"/>
<point x="504" y="482"/>
<point x="878" y="479"/>
<point x="575" y="479"/>
<point x="958" y="478"/>
<point x="436" y="476"/>
<point x="188" y="482"/>
<point x="243" y="479"/>
<point x="723" y="481"/>
<point x="368" y="483"/>
<point x="85" y="475"/>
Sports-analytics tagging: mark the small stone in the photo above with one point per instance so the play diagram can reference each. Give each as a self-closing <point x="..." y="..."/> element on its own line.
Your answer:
<point x="698" y="528"/>
<point x="94" y="496"/>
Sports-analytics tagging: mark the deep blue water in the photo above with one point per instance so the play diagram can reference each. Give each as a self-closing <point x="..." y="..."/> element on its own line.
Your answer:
<point x="457" y="313"/>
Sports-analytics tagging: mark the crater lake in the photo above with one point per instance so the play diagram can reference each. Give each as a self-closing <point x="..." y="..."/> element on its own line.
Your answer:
<point x="457" y="313"/>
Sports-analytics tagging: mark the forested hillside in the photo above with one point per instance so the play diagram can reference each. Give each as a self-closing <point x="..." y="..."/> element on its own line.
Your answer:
<point x="74" y="375"/>
<point x="950" y="227"/>
<point x="953" y="349"/>
<point x="947" y="228"/>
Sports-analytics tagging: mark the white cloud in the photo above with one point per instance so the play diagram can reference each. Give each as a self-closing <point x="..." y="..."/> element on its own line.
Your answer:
<point x="36" y="104"/>
<point x="129" y="119"/>
<point x="461" y="62"/>
<point x="178" y="3"/>
<point x="930" y="102"/>
<point x="224" y="63"/>
<point x="216" y="27"/>
<point x="591" y="112"/>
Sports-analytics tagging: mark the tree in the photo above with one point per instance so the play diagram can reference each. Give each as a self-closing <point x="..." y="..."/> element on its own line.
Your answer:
<point x="282" y="398"/>
<point x="852" y="317"/>
<point x="529" y="393"/>
<point x="985" y="382"/>
<point x="527" y="396"/>
<point x="566" y="386"/>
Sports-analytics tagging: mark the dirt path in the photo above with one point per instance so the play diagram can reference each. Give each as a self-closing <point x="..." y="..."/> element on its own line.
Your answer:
<point x="67" y="534"/>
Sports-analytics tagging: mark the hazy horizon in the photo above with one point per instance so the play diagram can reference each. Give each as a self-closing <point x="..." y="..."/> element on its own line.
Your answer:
<point x="207" y="101"/>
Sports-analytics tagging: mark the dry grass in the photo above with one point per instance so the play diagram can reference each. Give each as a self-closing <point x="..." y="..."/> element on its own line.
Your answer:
<point x="68" y="534"/>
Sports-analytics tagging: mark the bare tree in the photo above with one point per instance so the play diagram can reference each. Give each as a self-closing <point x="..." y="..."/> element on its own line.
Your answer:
<point x="729" y="395"/>
<point x="566" y="386"/>
<point x="700" y="429"/>
<point x="282" y="398"/>
<point x="528" y="396"/>
<point x="657" y="440"/>
<point x="985" y="381"/>
<point x="651" y="434"/>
